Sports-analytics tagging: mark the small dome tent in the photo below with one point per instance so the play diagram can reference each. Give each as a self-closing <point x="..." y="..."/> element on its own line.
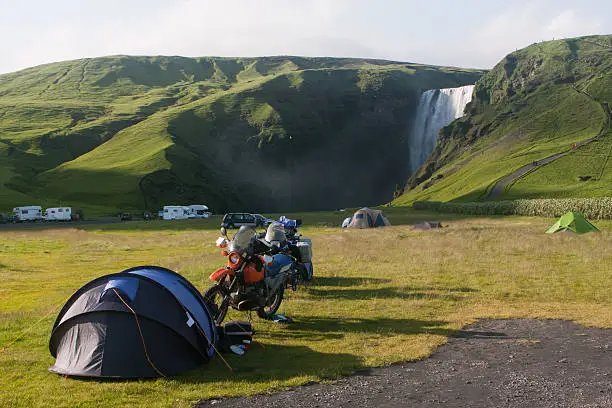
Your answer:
<point x="572" y="222"/>
<point x="368" y="218"/>
<point x="143" y="322"/>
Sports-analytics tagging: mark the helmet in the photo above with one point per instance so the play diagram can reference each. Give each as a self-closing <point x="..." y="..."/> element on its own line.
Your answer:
<point x="276" y="233"/>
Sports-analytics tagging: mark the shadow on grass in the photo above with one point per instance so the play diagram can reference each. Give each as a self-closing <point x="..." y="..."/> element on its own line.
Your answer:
<point x="273" y="363"/>
<point x="324" y="281"/>
<point x="346" y="281"/>
<point x="320" y="328"/>
<point x="385" y="293"/>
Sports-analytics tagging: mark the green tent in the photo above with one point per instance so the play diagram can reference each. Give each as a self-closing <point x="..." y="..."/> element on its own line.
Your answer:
<point x="572" y="221"/>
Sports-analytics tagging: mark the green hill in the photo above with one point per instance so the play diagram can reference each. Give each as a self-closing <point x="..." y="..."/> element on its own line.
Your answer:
<point x="540" y="101"/>
<point x="275" y="133"/>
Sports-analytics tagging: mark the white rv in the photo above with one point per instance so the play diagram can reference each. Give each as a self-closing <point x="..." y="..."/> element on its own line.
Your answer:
<point x="198" y="211"/>
<point x="58" y="214"/>
<point x="28" y="213"/>
<point x="176" y="212"/>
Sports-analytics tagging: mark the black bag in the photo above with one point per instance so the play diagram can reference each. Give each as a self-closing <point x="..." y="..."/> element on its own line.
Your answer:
<point x="235" y="332"/>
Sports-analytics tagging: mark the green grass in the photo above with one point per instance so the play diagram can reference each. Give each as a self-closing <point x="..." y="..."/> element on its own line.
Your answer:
<point x="380" y="296"/>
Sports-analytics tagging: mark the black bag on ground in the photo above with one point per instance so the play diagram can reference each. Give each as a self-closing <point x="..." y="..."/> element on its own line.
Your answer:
<point x="234" y="332"/>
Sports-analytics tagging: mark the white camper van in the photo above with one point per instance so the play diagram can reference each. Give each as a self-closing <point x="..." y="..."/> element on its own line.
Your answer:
<point x="198" y="211"/>
<point x="176" y="212"/>
<point x="58" y="214"/>
<point x="28" y="213"/>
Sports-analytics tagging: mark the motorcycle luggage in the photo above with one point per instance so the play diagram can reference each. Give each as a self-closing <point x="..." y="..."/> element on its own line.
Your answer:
<point x="235" y="332"/>
<point x="304" y="271"/>
<point x="305" y="247"/>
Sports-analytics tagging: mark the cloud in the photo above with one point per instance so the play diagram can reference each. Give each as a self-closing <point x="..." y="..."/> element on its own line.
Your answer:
<point x="570" y="24"/>
<point x="523" y="26"/>
<point x="470" y="34"/>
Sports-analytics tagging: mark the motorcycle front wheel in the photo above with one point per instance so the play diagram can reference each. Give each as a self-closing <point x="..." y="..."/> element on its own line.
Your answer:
<point x="217" y="300"/>
<point x="268" y="311"/>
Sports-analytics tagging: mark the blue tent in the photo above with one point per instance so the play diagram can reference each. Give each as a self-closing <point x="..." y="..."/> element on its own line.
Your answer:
<point x="143" y="322"/>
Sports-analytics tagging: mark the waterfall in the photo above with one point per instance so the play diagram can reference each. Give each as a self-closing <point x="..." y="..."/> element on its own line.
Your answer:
<point x="437" y="108"/>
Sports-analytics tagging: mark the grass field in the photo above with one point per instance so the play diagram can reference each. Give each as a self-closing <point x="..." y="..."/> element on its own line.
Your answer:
<point x="380" y="296"/>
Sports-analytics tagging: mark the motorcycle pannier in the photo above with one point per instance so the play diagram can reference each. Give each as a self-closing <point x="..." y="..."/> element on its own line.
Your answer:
<point x="305" y="247"/>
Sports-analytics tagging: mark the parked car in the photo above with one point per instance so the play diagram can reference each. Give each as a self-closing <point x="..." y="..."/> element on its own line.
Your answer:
<point x="262" y="221"/>
<point x="125" y="216"/>
<point x="237" y="220"/>
<point x="147" y="216"/>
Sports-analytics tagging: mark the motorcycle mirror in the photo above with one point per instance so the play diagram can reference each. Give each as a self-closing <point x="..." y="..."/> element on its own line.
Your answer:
<point x="221" y="242"/>
<point x="224" y="232"/>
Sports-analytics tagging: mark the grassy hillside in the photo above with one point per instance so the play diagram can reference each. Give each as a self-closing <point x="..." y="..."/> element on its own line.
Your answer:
<point x="275" y="133"/>
<point x="535" y="103"/>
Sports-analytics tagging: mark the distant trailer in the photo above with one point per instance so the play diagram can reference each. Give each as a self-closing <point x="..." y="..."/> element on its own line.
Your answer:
<point x="198" y="211"/>
<point x="28" y="213"/>
<point x="58" y="214"/>
<point x="176" y="212"/>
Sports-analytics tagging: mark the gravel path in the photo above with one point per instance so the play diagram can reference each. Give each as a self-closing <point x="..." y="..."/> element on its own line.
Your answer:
<point x="493" y="363"/>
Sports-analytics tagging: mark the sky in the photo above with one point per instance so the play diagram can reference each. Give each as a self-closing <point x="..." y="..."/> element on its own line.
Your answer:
<point x="467" y="33"/>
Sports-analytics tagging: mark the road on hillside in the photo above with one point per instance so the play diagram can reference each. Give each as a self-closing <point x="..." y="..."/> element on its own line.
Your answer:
<point x="499" y="187"/>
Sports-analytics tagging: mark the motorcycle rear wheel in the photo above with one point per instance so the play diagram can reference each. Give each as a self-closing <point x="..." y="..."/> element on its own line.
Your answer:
<point x="268" y="311"/>
<point x="217" y="299"/>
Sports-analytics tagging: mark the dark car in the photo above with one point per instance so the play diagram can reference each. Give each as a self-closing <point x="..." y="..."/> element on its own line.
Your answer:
<point x="262" y="221"/>
<point x="6" y="219"/>
<point x="237" y="220"/>
<point x="125" y="216"/>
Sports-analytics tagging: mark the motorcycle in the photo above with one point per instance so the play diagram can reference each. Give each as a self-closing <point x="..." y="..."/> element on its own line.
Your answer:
<point x="256" y="275"/>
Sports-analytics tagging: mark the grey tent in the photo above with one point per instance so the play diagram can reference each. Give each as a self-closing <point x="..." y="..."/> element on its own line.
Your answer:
<point x="427" y="225"/>
<point x="143" y="322"/>
<point x="368" y="218"/>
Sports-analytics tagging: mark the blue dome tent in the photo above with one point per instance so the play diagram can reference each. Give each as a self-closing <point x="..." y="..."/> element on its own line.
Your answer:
<point x="143" y="322"/>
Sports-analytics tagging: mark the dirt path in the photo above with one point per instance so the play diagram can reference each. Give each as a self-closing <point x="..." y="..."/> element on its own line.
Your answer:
<point x="493" y="363"/>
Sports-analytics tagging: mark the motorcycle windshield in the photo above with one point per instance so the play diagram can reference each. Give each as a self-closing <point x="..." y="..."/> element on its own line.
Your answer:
<point x="242" y="239"/>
